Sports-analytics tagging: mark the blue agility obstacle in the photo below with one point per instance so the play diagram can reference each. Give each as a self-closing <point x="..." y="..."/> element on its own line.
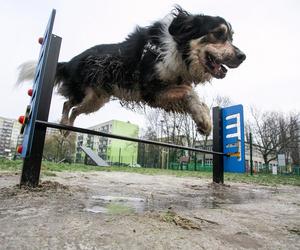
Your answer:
<point x="234" y="139"/>
<point x="38" y="109"/>
<point x="228" y="125"/>
<point x="44" y="77"/>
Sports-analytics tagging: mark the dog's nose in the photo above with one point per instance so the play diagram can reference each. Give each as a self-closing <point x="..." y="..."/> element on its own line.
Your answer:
<point x="240" y="56"/>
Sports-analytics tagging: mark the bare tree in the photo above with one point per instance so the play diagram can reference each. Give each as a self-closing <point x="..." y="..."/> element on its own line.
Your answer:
<point x="221" y="101"/>
<point x="58" y="147"/>
<point x="274" y="133"/>
<point x="177" y="128"/>
<point x="248" y="126"/>
<point x="290" y="137"/>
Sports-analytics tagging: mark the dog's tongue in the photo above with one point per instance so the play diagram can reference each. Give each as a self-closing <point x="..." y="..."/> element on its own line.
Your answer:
<point x="219" y="70"/>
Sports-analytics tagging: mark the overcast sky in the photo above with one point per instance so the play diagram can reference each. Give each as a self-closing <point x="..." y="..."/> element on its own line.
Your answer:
<point x="267" y="31"/>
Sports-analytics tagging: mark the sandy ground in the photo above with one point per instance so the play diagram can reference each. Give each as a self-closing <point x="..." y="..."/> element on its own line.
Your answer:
<point x="112" y="210"/>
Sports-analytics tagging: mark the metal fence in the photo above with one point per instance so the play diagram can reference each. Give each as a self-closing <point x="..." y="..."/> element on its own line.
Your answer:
<point x="268" y="169"/>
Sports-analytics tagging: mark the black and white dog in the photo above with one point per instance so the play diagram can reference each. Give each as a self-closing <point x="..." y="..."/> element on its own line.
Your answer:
<point x="159" y="65"/>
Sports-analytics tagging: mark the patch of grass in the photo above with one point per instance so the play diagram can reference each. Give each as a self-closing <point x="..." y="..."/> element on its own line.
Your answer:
<point x="7" y="165"/>
<point x="50" y="166"/>
<point x="262" y="179"/>
<point x="185" y="223"/>
<point x="48" y="173"/>
<point x="116" y="208"/>
<point x="167" y="216"/>
<point x="59" y="167"/>
<point x="158" y="171"/>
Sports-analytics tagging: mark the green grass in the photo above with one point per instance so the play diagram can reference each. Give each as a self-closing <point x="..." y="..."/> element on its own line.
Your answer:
<point x="115" y="208"/>
<point x="264" y="179"/>
<point x="49" y="169"/>
<point x="7" y="165"/>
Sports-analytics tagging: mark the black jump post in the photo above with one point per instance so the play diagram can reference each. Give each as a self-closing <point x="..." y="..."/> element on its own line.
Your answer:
<point x="36" y="120"/>
<point x="218" y="163"/>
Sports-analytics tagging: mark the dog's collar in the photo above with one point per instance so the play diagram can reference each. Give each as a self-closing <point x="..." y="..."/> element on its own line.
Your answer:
<point x="152" y="48"/>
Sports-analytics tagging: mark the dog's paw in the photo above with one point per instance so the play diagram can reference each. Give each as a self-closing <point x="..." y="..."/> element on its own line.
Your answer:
<point x="201" y="117"/>
<point x="205" y="127"/>
<point x="203" y="121"/>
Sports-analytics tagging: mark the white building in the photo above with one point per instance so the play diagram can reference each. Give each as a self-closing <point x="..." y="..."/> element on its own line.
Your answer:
<point x="9" y="137"/>
<point x="258" y="161"/>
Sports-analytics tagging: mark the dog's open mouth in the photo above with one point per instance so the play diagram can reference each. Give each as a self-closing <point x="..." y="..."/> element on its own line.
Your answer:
<point x="214" y="67"/>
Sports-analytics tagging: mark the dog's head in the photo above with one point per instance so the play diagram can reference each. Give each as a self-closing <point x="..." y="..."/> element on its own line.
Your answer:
<point x="205" y="43"/>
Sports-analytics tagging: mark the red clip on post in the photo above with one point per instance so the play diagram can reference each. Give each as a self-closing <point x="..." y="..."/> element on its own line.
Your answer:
<point x="20" y="149"/>
<point x="29" y="92"/>
<point x="41" y="40"/>
<point x="21" y="119"/>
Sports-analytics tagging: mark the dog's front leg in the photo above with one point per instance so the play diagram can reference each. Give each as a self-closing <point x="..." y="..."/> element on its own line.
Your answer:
<point x="199" y="112"/>
<point x="184" y="99"/>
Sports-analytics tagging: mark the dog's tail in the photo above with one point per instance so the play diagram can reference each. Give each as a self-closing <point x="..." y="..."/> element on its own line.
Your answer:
<point x="27" y="72"/>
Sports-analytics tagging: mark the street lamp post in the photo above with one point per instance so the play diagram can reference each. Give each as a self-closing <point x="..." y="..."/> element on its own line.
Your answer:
<point x="161" y="139"/>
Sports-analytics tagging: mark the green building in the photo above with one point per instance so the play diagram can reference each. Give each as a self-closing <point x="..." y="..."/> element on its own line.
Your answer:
<point x="113" y="151"/>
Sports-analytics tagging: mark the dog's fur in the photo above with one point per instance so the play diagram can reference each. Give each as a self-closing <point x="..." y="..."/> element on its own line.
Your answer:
<point x="158" y="65"/>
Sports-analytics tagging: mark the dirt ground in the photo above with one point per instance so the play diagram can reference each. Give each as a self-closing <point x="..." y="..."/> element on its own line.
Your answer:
<point x="114" y="210"/>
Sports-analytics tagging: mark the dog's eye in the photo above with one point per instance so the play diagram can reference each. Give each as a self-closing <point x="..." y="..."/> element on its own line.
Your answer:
<point x="219" y="34"/>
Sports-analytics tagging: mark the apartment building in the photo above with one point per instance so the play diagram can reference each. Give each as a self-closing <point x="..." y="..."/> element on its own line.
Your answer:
<point x="9" y="137"/>
<point x="111" y="150"/>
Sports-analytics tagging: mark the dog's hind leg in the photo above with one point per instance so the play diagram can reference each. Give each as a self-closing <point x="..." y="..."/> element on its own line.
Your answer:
<point x="90" y="103"/>
<point x="66" y="110"/>
<point x="183" y="99"/>
<point x="65" y="116"/>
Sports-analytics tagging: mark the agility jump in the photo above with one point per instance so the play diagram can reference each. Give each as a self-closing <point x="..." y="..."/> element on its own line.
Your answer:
<point x="228" y="126"/>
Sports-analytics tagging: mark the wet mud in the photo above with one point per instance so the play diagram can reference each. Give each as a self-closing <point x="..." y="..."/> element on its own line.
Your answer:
<point x="111" y="210"/>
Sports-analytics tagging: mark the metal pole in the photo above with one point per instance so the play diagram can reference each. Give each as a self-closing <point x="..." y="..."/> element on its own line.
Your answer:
<point x="120" y="137"/>
<point x="119" y="157"/>
<point x="195" y="161"/>
<point x="168" y="159"/>
<point x="251" y="147"/>
<point x="144" y="155"/>
<point x="161" y="149"/>
<point x="218" y="162"/>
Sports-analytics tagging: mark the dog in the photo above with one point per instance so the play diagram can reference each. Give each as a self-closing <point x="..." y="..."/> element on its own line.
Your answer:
<point x="159" y="66"/>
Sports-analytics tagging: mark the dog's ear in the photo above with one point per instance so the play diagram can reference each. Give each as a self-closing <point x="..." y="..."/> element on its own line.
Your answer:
<point x="182" y="23"/>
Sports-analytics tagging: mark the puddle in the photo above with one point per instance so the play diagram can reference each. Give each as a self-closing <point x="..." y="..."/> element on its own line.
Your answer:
<point x="210" y="197"/>
<point x="206" y="197"/>
<point x="115" y="205"/>
<point x="220" y="197"/>
<point x="97" y="209"/>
